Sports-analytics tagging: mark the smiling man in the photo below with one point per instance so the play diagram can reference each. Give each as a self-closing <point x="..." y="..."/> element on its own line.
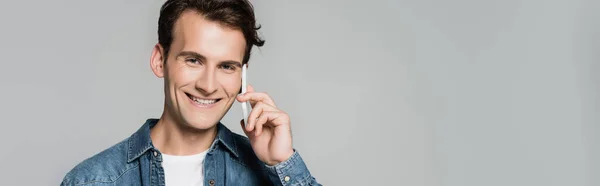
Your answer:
<point x="201" y="49"/>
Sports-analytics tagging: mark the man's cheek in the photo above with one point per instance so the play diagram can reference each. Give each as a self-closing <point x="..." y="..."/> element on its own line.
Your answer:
<point x="232" y="86"/>
<point x="237" y="87"/>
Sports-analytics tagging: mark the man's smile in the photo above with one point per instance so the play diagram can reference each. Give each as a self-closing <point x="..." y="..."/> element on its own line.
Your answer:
<point x="203" y="102"/>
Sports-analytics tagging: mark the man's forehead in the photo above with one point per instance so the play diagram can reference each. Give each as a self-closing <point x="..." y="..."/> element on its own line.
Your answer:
<point x="193" y="32"/>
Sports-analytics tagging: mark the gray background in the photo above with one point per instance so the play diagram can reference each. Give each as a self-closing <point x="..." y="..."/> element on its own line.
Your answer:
<point x="413" y="92"/>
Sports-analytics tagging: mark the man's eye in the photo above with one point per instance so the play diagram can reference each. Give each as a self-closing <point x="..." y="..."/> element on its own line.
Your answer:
<point x="228" y="67"/>
<point x="192" y="60"/>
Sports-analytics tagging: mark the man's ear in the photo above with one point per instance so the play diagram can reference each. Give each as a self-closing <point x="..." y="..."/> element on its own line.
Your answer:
<point x="157" y="61"/>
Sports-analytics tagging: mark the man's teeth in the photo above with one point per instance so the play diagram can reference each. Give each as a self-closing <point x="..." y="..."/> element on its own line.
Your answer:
<point x="204" y="101"/>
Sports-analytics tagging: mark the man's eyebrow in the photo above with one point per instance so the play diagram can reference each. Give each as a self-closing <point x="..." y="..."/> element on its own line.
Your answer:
<point x="201" y="57"/>
<point x="231" y="62"/>
<point x="190" y="54"/>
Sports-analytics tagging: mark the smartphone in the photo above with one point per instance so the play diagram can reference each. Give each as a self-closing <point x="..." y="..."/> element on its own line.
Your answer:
<point x="245" y="105"/>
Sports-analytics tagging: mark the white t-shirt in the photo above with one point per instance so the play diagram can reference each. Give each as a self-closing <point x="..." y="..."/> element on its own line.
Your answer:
<point x="184" y="170"/>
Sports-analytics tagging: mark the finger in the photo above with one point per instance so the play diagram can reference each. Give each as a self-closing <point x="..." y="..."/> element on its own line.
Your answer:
<point x="249" y="88"/>
<point x="256" y="111"/>
<point x="258" y="125"/>
<point x="255" y="97"/>
<point x="260" y="121"/>
<point x="268" y="119"/>
<point x="244" y="128"/>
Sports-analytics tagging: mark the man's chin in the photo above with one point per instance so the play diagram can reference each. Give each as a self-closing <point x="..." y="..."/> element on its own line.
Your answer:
<point x="201" y="123"/>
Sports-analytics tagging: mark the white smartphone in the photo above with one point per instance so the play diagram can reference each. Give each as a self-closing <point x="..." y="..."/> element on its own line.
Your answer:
<point x="245" y="105"/>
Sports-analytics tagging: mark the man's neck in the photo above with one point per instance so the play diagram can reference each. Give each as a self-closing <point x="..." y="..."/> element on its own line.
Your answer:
<point x="173" y="138"/>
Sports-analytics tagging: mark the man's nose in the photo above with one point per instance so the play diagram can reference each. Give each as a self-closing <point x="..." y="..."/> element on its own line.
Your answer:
<point x="207" y="83"/>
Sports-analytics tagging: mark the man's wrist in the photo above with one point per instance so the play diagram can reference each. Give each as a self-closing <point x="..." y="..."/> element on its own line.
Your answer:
<point x="279" y="160"/>
<point x="293" y="170"/>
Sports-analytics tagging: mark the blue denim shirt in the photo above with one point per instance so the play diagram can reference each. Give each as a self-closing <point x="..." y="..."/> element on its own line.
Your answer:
<point x="230" y="161"/>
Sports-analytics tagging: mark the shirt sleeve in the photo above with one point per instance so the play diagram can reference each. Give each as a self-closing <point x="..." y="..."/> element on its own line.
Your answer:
<point x="291" y="172"/>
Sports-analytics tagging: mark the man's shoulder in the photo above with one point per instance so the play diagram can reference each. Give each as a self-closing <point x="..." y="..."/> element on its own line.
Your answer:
<point x="104" y="167"/>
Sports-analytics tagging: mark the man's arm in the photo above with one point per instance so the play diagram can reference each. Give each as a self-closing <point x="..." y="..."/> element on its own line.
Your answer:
<point x="270" y="135"/>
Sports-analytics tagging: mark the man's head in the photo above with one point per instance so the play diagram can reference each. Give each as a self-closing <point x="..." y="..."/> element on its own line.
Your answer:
<point x="202" y="46"/>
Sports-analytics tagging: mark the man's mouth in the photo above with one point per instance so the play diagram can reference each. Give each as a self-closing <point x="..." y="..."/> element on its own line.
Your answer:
<point x="203" y="101"/>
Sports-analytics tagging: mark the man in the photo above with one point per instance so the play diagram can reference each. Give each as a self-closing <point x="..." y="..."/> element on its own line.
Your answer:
<point x="201" y="49"/>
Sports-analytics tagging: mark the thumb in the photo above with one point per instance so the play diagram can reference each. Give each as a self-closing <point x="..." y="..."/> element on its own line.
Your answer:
<point x="244" y="129"/>
<point x="250" y="88"/>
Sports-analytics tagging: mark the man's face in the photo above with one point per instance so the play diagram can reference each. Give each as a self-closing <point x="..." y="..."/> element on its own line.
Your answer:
<point x="202" y="72"/>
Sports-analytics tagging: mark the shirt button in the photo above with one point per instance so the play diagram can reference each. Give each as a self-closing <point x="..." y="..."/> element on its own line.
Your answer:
<point x="286" y="179"/>
<point x="155" y="153"/>
<point x="211" y="182"/>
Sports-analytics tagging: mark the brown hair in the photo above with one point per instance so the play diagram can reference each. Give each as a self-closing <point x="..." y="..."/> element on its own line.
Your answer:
<point x="236" y="14"/>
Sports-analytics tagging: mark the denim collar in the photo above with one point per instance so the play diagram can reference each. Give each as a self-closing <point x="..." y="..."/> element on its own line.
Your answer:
<point x="140" y="141"/>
